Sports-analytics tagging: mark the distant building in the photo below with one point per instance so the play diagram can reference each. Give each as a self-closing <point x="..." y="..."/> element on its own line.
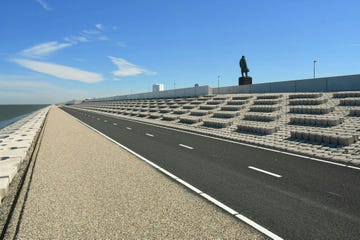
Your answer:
<point x="158" y="87"/>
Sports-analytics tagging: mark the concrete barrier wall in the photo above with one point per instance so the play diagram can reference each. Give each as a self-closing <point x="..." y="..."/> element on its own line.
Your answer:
<point x="329" y="84"/>
<point x="175" y="93"/>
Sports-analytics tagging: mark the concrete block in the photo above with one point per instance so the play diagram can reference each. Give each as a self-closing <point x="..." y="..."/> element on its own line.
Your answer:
<point x="225" y="114"/>
<point x="346" y="140"/>
<point x="217" y="123"/>
<point x="199" y="112"/>
<point x="231" y="108"/>
<point x="170" y="117"/>
<point x="326" y="138"/>
<point x="8" y="172"/>
<point x="4" y="186"/>
<point x="334" y="139"/>
<point x="208" y="107"/>
<point x="312" y="137"/>
<point x="318" y="137"/>
<point x="14" y="153"/>
<point x="190" y="119"/>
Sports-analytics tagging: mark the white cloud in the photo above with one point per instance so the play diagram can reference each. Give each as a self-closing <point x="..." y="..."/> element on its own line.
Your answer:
<point x="44" y="49"/>
<point x="94" y="34"/>
<point x="121" y="44"/>
<point x="44" y="5"/>
<point x="99" y="26"/>
<point x="76" y="39"/>
<point x="60" y="71"/>
<point x="126" y="68"/>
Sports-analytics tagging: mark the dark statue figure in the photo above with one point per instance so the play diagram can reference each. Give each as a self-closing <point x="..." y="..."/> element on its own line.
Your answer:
<point x="243" y="67"/>
<point x="244" y="80"/>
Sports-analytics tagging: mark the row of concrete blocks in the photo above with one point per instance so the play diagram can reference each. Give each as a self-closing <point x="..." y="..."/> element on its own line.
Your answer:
<point x="262" y="117"/>
<point x="305" y="95"/>
<point x="317" y="121"/>
<point x="355" y="112"/>
<point x="264" y="108"/>
<point x="311" y="109"/>
<point x="346" y="94"/>
<point x="304" y="101"/>
<point x="217" y="123"/>
<point x="265" y="96"/>
<point x="267" y="101"/>
<point x="324" y="138"/>
<point x="350" y="102"/>
<point x="259" y="129"/>
<point x="15" y="141"/>
<point x="237" y="102"/>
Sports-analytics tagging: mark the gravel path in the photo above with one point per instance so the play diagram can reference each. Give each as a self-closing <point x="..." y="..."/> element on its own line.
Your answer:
<point x="85" y="187"/>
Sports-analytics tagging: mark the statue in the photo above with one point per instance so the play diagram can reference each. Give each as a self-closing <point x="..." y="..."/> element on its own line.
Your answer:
<point x="243" y="67"/>
<point x="244" y="80"/>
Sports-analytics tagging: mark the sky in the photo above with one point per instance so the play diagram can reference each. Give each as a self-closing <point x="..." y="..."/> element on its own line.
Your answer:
<point x="54" y="51"/>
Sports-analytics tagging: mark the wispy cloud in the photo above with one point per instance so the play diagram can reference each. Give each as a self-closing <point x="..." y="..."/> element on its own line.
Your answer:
<point x="94" y="35"/>
<point x="76" y="39"/>
<point x="44" y="5"/>
<point x="99" y="26"/>
<point x="44" y="49"/>
<point x="126" y="68"/>
<point x="121" y="44"/>
<point x="60" y="71"/>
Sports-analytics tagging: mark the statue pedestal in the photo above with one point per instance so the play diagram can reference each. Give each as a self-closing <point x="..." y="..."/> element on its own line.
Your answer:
<point x="245" y="80"/>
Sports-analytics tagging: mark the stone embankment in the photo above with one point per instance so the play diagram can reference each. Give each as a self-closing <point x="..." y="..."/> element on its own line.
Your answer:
<point x="16" y="142"/>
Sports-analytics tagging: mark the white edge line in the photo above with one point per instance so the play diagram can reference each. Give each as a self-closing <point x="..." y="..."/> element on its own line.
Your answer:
<point x="185" y="146"/>
<point x="357" y="168"/>
<point x="266" y="172"/>
<point x="258" y="227"/>
<point x="196" y="190"/>
<point x="220" y="204"/>
<point x="220" y="139"/>
<point x="204" y="195"/>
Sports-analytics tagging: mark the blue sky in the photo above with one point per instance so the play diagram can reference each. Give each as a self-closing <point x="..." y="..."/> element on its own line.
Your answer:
<point x="53" y="51"/>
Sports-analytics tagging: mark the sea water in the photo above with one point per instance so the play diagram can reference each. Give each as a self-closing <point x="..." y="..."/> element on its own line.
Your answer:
<point x="12" y="113"/>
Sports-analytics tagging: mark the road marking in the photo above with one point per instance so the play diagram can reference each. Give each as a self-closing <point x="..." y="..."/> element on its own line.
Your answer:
<point x="266" y="172"/>
<point x="227" y="140"/>
<point x="258" y="227"/>
<point x="115" y="124"/>
<point x="188" y="147"/>
<point x="148" y="134"/>
<point x="207" y="197"/>
<point x="98" y="118"/>
<point x="220" y="204"/>
<point x="128" y="128"/>
<point x="357" y="168"/>
<point x="105" y="120"/>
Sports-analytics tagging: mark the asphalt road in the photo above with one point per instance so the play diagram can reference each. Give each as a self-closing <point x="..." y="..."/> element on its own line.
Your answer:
<point x="293" y="197"/>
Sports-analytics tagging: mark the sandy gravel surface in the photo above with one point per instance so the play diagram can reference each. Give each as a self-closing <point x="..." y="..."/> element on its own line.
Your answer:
<point x="85" y="187"/>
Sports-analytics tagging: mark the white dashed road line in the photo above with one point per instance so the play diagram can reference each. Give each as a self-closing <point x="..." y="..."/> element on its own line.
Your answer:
<point x="115" y="124"/>
<point x="266" y="172"/>
<point x="185" y="146"/>
<point x="105" y="120"/>
<point x="128" y="128"/>
<point x="148" y="134"/>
